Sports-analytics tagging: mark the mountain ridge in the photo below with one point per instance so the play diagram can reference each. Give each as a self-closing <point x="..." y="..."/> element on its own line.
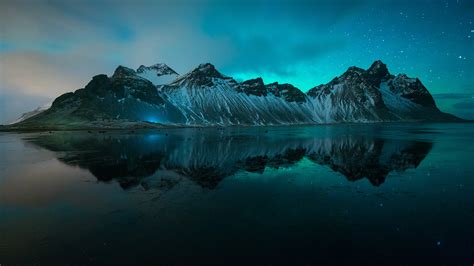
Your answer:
<point x="206" y="97"/>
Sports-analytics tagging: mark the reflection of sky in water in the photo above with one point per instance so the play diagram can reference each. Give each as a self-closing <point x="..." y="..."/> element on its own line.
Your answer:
<point x="53" y="211"/>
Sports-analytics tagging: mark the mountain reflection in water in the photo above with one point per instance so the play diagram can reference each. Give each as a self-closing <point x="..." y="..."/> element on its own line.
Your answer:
<point x="207" y="156"/>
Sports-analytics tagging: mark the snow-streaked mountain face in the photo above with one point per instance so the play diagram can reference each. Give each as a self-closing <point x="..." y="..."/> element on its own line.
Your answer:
<point x="352" y="97"/>
<point x="205" y="97"/>
<point x="411" y="89"/>
<point x="374" y="95"/>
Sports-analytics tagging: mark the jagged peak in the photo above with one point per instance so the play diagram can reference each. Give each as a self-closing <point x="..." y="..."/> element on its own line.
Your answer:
<point x="207" y="69"/>
<point x="379" y="69"/>
<point x="100" y="77"/>
<point x="159" y="68"/>
<point x="123" y="71"/>
<point x="375" y="74"/>
<point x="124" y="68"/>
<point x="256" y="81"/>
<point x="205" y="66"/>
<point x="290" y="92"/>
<point x="99" y="83"/>
<point x="353" y="71"/>
<point x="159" y="65"/>
<point x="377" y="64"/>
<point x="202" y="75"/>
<point x="253" y="86"/>
<point x="97" y="80"/>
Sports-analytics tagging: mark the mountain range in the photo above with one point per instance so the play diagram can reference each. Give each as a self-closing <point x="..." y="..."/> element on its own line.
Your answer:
<point x="154" y="96"/>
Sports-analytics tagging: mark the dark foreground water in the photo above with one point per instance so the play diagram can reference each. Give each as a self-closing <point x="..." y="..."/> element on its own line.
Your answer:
<point x="344" y="194"/>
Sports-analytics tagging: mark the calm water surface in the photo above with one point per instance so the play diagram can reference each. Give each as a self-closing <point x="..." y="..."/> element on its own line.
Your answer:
<point x="342" y="194"/>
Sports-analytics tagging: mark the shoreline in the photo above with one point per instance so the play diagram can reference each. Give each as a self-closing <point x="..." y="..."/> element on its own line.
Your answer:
<point x="148" y="126"/>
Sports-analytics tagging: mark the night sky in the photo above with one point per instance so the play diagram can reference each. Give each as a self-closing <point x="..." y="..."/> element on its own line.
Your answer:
<point x="51" y="47"/>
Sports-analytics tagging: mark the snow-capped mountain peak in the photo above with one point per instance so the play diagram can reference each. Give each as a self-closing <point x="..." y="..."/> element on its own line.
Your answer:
<point x="158" y="74"/>
<point x="159" y="69"/>
<point x="204" y="75"/>
<point x="207" y="69"/>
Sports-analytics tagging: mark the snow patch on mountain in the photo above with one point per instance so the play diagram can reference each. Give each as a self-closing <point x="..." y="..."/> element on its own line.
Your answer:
<point x="32" y="113"/>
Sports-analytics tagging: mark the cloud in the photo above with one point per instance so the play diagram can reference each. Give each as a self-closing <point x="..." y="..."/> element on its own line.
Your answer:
<point x="43" y="74"/>
<point x="49" y="48"/>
